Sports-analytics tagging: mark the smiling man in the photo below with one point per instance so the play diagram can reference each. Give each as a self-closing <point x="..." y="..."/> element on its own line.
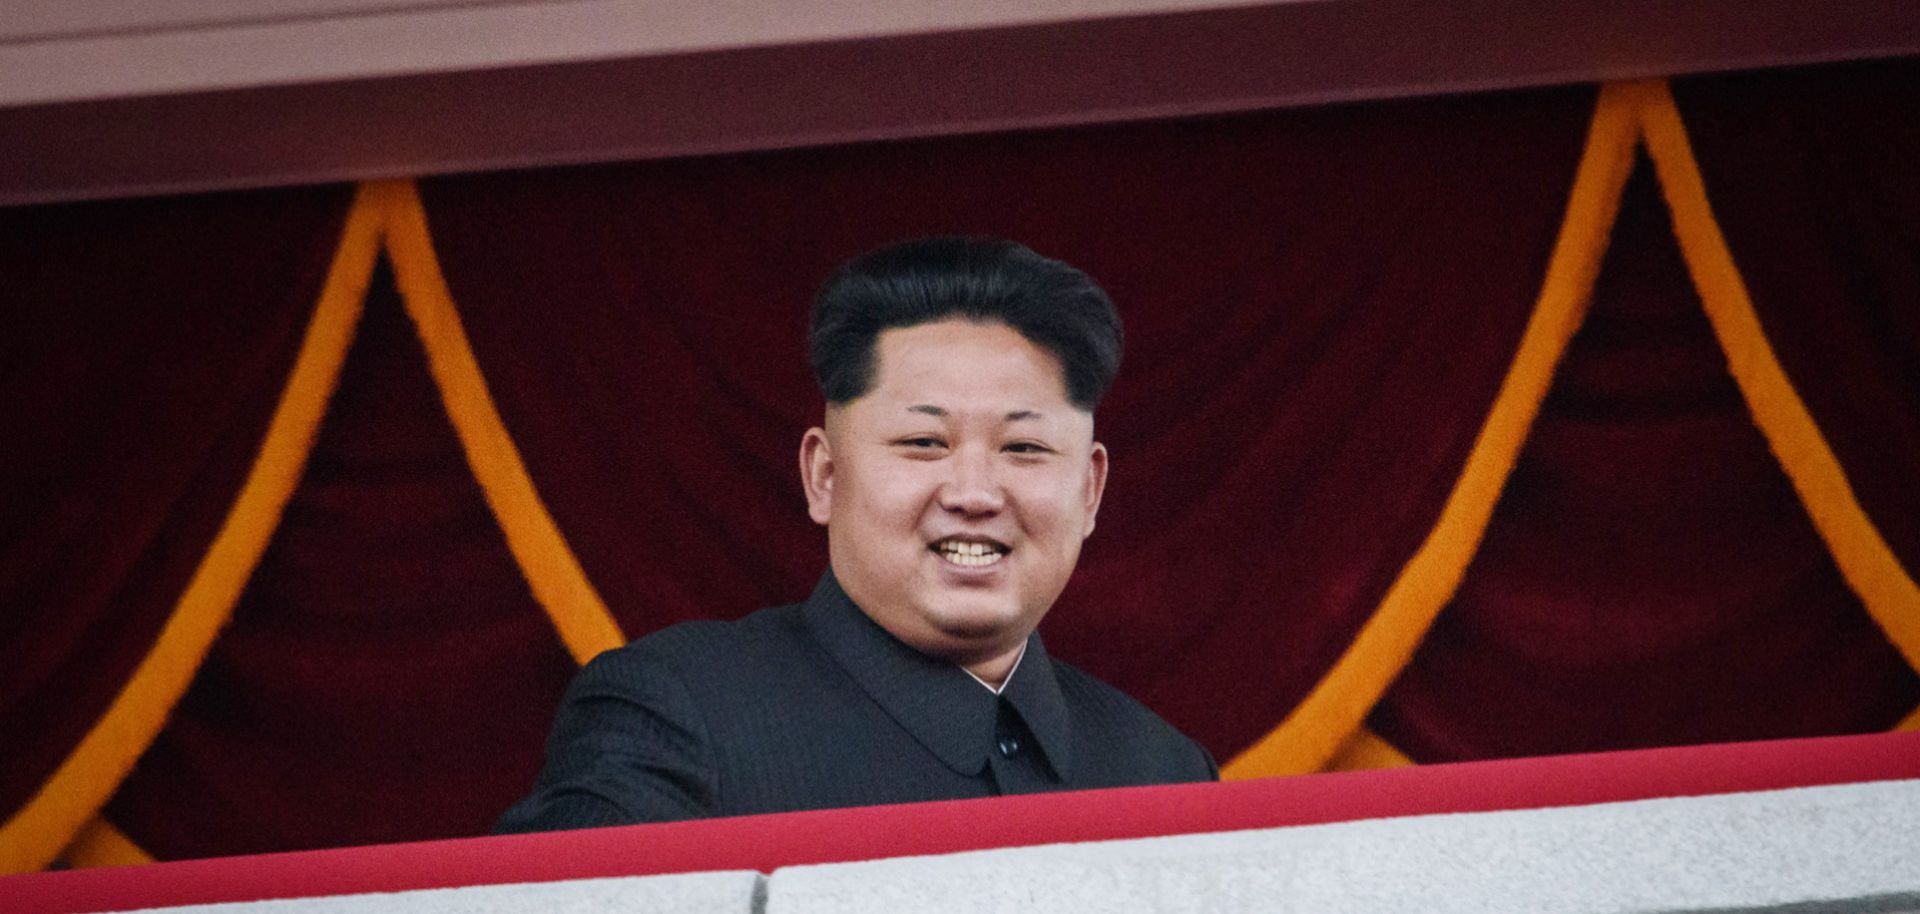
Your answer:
<point x="957" y="475"/>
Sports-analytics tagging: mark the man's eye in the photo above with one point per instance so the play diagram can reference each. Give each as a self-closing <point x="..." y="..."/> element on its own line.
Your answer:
<point x="922" y="441"/>
<point x="1027" y="447"/>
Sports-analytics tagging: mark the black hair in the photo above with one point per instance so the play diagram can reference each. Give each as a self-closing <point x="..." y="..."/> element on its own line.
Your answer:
<point x="986" y="280"/>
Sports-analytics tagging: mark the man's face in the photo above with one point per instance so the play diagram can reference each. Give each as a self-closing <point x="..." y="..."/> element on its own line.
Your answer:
<point x="957" y="491"/>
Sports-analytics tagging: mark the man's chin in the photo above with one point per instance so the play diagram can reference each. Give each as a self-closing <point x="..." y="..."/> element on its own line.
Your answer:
<point x="978" y="624"/>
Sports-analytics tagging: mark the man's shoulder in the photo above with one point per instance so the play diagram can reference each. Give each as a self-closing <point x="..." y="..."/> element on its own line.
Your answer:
<point x="1109" y="717"/>
<point x="707" y="646"/>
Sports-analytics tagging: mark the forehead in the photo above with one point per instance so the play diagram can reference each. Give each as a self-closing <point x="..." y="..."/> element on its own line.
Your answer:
<point x="957" y="360"/>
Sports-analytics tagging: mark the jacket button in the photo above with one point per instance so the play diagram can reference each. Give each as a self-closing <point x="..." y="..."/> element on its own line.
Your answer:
<point x="1009" y="746"/>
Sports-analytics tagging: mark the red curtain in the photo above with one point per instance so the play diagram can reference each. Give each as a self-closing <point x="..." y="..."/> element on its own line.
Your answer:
<point x="1321" y="306"/>
<point x="145" y="345"/>
<point x="1649" y="577"/>
<point x="1814" y="175"/>
<point x="1648" y="526"/>
<point x="386" y="676"/>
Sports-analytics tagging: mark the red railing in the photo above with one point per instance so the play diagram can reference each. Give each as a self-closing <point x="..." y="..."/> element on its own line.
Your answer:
<point x="768" y="842"/>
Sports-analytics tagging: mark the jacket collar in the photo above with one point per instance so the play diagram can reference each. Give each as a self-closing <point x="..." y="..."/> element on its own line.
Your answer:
<point x="934" y="700"/>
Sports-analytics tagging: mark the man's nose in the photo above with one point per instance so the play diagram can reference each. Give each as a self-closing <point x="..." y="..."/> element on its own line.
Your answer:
<point x="973" y="488"/>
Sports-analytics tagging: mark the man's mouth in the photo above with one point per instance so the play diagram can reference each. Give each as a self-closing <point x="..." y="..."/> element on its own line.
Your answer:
<point x="969" y="552"/>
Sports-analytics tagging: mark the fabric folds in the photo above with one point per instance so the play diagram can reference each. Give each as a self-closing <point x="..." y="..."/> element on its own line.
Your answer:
<point x="1321" y="306"/>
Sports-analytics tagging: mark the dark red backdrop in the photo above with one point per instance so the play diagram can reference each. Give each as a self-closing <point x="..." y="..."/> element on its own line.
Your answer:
<point x="1321" y="305"/>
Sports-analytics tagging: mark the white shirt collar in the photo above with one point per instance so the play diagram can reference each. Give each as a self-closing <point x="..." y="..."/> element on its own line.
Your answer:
<point x="1010" y="671"/>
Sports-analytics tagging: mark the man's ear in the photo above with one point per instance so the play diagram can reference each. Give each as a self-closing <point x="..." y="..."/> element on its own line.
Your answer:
<point x="816" y="474"/>
<point x="1096" y="483"/>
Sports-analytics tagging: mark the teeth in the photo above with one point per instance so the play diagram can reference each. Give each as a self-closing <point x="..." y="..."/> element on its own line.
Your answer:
<point x="970" y="560"/>
<point x="970" y="555"/>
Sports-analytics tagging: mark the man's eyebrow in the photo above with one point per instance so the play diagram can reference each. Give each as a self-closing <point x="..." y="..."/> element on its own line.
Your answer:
<point x="1021" y="414"/>
<point x="928" y="409"/>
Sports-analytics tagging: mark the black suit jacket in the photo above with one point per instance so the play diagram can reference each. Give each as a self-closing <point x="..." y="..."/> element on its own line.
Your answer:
<point x="813" y="706"/>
